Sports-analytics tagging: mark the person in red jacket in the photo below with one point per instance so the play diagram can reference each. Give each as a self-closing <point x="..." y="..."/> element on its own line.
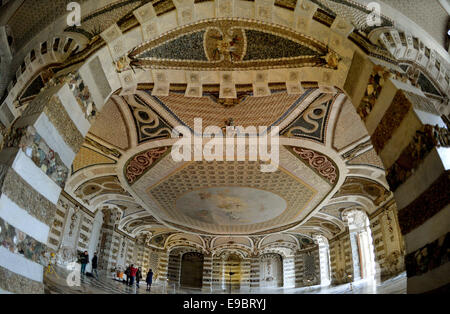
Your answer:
<point x="133" y="272"/>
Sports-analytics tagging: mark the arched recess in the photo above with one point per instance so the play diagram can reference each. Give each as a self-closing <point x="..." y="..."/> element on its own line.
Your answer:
<point x="232" y="273"/>
<point x="361" y="243"/>
<point x="271" y="271"/>
<point x="192" y="270"/>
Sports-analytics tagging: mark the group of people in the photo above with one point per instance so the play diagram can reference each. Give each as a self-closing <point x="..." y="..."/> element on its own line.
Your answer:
<point x="133" y="274"/>
<point x="84" y="260"/>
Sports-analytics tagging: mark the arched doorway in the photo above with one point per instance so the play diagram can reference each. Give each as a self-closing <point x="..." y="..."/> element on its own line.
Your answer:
<point x="362" y="245"/>
<point x="192" y="270"/>
<point x="232" y="272"/>
<point x="271" y="270"/>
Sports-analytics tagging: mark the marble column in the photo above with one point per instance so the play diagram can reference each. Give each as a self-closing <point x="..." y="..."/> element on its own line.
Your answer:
<point x="254" y="272"/>
<point x="412" y="141"/>
<point x="163" y="266"/>
<point x="35" y="161"/>
<point x="289" y="272"/>
<point x="299" y="269"/>
<point x="207" y="273"/>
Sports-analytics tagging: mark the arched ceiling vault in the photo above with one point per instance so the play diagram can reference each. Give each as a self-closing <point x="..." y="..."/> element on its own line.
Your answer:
<point x="326" y="159"/>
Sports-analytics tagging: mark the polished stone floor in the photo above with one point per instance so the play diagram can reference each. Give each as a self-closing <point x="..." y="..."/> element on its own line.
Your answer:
<point x="57" y="284"/>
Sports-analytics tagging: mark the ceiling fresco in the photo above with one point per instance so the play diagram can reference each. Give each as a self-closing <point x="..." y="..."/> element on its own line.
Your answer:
<point x="227" y="44"/>
<point x="213" y="198"/>
<point x="231" y="205"/>
<point x="323" y="140"/>
<point x="230" y="180"/>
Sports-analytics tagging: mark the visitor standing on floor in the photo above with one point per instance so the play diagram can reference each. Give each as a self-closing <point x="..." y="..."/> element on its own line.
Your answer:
<point x="127" y="273"/>
<point x="94" y="265"/>
<point x="138" y="276"/>
<point x="84" y="260"/>
<point x="133" y="272"/>
<point x="149" y="279"/>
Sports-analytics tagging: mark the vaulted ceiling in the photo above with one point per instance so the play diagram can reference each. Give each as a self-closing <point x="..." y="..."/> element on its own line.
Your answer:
<point x="327" y="165"/>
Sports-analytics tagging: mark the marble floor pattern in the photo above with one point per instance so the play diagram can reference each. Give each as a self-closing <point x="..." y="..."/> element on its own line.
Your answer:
<point x="56" y="284"/>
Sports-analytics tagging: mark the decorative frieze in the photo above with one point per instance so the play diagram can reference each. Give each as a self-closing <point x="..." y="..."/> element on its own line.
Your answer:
<point x="142" y="162"/>
<point x="318" y="162"/>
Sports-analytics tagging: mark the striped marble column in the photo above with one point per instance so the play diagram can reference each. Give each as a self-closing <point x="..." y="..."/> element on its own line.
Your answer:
<point x="299" y="269"/>
<point x="254" y="273"/>
<point x="163" y="266"/>
<point x="207" y="273"/>
<point x="289" y="272"/>
<point x="35" y="161"/>
<point x="412" y="141"/>
<point x="245" y="274"/>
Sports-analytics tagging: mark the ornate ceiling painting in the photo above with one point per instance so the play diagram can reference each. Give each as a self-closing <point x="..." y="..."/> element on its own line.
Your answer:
<point x="100" y="186"/>
<point x="142" y="162"/>
<point x="251" y="111"/>
<point x="312" y="123"/>
<point x="149" y="124"/>
<point x="364" y="187"/>
<point x="226" y="44"/>
<point x="111" y="115"/>
<point x="164" y="197"/>
<point x="225" y="197"/>
<point x="88" y="157"/>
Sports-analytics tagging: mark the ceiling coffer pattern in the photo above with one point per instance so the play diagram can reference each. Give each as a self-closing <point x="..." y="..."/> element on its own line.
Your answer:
<point x="251" y="111"/>
<point x="88" y="157"/>
<point x="218" y="205"/>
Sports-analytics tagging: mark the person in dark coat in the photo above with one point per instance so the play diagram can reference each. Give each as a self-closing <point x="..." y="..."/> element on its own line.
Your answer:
<point x="84" y="260"/>
<point x="127" y="273"/>
<point x="138" y="276"/>
<point x="94" y="265"/>
<point x="149" y="279"/>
